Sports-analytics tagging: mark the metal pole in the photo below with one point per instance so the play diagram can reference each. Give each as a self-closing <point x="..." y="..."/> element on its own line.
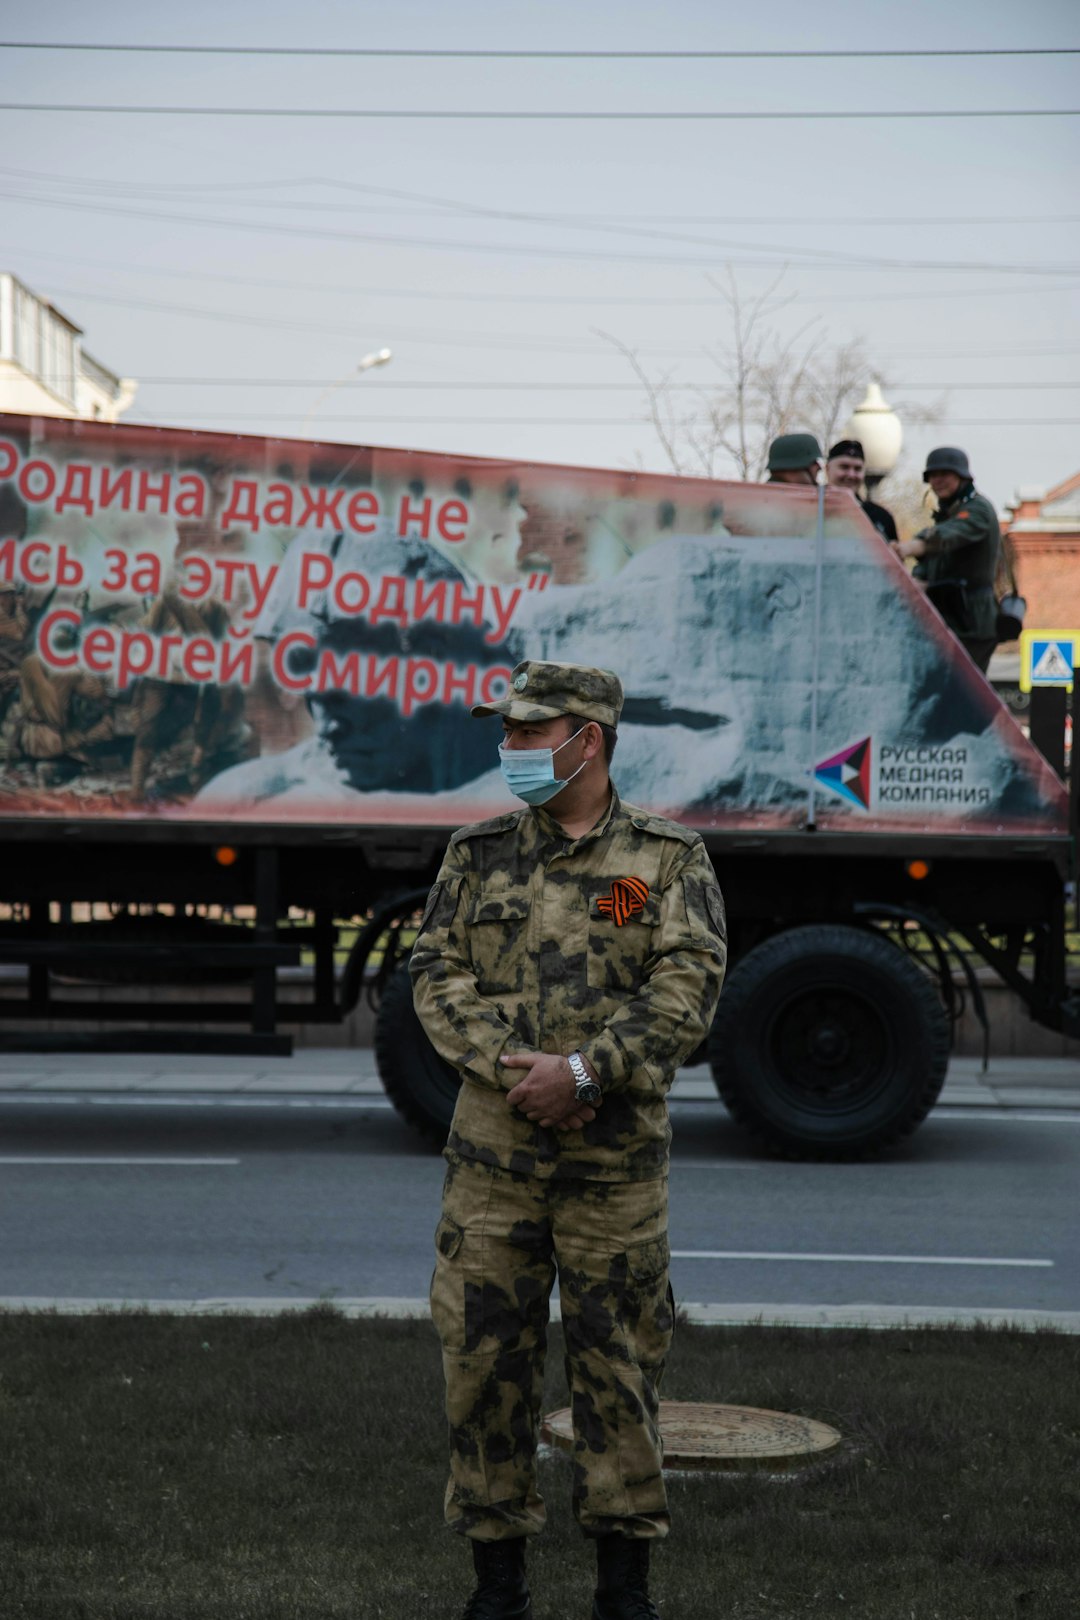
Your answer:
<point x="815" y="666"/>
<point x="1047" y="725"/>
<point x="1074" y="799"/>
<point x="264" y="979"/>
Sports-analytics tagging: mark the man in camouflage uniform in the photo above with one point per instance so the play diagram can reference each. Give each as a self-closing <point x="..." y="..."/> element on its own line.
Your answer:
<point x="569" y="960"/>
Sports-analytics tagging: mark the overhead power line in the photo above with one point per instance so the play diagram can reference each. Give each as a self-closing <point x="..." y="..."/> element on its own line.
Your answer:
<point x="534" y="115"/>
<point x="518" y="387"/>
<point x="805" y="258"/>
<point x="510" y="300"/>
<point x="519" y="216"/>
<point x="491" y="296"/>
<point x="788" y="251"/>
<point x="184" y="189"/>
<point x="540" y="55"/>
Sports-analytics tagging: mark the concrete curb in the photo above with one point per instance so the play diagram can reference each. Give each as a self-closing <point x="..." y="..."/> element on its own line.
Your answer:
<point x="876" y="1317"/>
<point x="1042" y="1083"/>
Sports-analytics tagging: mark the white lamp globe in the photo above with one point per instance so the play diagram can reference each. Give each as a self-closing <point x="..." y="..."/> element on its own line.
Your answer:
<point x="877" y="428"/>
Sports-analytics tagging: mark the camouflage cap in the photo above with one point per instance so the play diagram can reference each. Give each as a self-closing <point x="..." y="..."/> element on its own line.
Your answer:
<point x="540" y="691"/>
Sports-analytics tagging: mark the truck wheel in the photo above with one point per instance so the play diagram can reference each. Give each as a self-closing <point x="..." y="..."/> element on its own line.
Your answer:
<point x="829" y="1043"/>
<point x="420" y="1084"/>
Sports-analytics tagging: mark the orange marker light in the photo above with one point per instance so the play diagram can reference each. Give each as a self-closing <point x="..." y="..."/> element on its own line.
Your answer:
<point x="225" y="855"/>
<point x="918" y="870"/>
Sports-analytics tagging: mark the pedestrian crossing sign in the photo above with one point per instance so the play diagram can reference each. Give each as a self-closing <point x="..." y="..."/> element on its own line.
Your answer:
<point x="1047" y="658"/>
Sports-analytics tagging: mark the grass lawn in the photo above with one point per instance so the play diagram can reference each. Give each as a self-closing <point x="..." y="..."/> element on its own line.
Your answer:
<point x="243" y="1468"/>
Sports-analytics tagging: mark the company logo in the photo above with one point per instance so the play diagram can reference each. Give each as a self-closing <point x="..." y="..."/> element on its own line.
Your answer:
<point x="848" y="773"/>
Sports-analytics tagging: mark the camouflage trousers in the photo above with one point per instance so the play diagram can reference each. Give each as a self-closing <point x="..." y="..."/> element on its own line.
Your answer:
<point x="500" y="1242"/>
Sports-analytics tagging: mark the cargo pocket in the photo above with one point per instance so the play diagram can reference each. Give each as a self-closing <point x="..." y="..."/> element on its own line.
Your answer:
<point x="647" y="1261"/>
<point x="448" y="1238"/>
<point x="650" y="1328"/>
<point x="497" y="928"/>
<point x="447" y="1285"/>
<point x="618" y="952"/>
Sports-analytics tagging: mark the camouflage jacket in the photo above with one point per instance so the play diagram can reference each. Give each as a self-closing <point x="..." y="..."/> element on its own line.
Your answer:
<point x="612" y="944"/>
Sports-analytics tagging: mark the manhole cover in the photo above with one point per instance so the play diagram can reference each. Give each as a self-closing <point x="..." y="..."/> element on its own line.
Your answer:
<point x="699" y="1435"/>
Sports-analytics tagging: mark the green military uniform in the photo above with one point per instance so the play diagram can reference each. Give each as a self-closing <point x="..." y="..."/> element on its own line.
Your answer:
<point x="960" y="567"/>
<point x="611" y="944"/>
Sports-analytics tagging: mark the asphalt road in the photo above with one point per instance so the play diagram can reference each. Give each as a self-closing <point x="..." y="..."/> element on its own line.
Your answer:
<point x="131" y="1198"/>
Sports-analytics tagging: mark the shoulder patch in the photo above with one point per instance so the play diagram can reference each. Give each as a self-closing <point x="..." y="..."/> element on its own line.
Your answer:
<point x="714" y="903"/>
<point x="487" y="829"/>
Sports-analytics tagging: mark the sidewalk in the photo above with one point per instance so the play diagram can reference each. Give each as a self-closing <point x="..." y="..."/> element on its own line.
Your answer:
<point x="1009" y="1083"/>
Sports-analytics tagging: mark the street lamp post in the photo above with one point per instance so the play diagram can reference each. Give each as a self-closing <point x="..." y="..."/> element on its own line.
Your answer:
<point x="378" y="357"/>
<point x="877" y="427"/>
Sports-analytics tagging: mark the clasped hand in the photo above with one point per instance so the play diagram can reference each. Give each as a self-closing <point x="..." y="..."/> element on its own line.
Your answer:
<point x="546" y="1093"/>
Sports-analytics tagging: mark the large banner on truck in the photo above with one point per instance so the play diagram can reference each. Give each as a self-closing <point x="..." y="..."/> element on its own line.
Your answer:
<point x="206" y="627"/>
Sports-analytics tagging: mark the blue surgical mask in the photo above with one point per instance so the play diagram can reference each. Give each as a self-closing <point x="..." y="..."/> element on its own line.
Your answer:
<point x="529" y="773"/>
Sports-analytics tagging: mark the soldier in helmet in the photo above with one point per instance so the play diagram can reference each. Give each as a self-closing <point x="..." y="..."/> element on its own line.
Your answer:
<point x="569" y="959"/>
<point x="794" y="458"/>
<point x="958" y="553"/>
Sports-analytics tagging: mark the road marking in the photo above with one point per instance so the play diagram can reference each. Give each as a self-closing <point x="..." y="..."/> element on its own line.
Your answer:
<point x="145" y="1100"/>
<point x="977" y="1111"/>
<point x="363" y="1101"/>
<point x="719" y="1164"/>
<point x="852" y="1259"/>
<point x="81" y="1159"/>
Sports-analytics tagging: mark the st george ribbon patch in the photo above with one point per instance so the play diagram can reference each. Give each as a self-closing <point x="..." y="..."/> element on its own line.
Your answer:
<point x="627" y="898"/>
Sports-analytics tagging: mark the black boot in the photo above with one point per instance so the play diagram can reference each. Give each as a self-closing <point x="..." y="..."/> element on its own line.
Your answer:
<point x="622" y="1580"/>
<point x="502" y="1592"/>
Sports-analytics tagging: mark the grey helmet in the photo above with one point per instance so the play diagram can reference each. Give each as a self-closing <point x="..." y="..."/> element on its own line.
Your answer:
<point x="947" y="459"/>
<point x="791" y="452"/>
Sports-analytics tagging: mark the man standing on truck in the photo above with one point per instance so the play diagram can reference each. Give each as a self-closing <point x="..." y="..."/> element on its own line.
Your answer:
<point x="958" y="553"/>
<point x="846" y="469"/>
<point x="794" y="458"/>
<point x="569" y="959"/>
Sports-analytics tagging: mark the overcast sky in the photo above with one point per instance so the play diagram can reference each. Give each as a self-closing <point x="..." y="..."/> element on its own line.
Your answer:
<point x="239" y="266"/>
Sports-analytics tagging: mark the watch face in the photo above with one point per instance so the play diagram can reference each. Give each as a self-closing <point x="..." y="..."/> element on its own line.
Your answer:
<point x="587" y="1091"/>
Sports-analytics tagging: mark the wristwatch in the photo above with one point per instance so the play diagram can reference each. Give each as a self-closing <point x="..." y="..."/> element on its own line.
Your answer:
<point x="586" y="1089"/>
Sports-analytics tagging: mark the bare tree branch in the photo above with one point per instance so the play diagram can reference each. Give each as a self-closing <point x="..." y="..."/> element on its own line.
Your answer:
<point x="657" y="396"/>
<point x="767" y="384"/>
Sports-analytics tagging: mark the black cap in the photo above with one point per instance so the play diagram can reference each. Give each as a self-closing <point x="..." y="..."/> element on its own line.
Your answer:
<point x="847" y="447"/>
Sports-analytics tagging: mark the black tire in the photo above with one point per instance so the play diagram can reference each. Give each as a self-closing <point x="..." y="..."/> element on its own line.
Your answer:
<point x="829" y="1043"/>
<point x="422" y="1086"/>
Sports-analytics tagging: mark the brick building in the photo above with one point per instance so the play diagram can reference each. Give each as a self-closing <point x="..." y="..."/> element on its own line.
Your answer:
<point x="1043" y="528"/>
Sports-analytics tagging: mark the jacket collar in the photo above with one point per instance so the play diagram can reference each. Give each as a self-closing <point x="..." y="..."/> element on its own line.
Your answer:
<point x="551" y="830"/>
<point x="964" y="493"/>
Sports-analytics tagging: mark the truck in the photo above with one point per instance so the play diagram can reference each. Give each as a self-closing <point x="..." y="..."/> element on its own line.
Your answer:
<point x="235" y="682"/>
